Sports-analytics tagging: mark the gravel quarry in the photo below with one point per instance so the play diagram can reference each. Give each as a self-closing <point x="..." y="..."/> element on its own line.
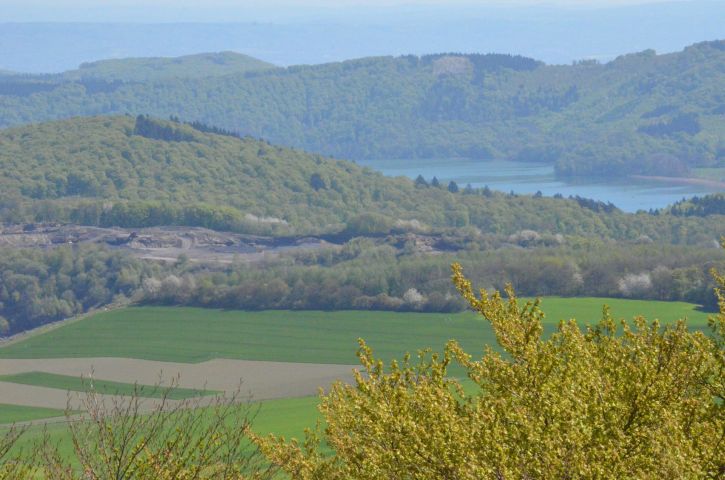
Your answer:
<point x="160" y="243"/>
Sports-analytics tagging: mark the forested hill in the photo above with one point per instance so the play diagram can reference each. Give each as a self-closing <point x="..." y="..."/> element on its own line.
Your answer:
<point x="161" y="68"/>
<point x="142" y="171"/>
<point x="641" y="113"/>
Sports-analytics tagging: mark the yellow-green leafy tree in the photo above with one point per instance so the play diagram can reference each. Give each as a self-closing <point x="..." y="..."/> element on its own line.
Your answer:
<point x="619" y="399"/>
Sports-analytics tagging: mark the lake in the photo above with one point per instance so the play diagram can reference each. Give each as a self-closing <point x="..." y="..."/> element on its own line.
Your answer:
<point x="527" y="178"/>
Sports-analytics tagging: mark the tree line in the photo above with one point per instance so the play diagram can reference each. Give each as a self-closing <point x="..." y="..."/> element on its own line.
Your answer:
<point x="38" y="287"/>
<point x="364" y="276"/>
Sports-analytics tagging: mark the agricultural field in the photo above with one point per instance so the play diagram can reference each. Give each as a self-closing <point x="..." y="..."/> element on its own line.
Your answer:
<point x="18" y="413"/>
<point x="193" y="335"/>
<point x="84" y="382"/>
<point x="281" y="357"/>
<point x="260" y="380"/>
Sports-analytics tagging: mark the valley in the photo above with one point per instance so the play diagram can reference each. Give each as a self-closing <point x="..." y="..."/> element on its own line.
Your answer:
<point x="457" y="265"/>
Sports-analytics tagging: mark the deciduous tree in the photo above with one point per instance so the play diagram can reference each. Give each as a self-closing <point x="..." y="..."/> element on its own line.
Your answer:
<point x="627" y="399"/>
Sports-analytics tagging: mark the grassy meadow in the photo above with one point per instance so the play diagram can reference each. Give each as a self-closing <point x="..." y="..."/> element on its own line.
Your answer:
<point x="19" y="413"/>
<point x="194" y="335"/>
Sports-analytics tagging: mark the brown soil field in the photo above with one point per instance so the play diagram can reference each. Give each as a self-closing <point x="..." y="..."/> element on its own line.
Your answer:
<point x="42" y="397"/>
<point x="259" y="380"/>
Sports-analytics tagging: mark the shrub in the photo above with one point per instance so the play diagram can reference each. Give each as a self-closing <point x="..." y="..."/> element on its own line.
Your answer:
<point x="615" y="400"/>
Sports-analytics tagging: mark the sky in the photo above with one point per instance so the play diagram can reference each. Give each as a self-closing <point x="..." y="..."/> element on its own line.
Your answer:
<point x="256" y="3"/>
<point x="56" y="6"/>
<point x="289" y="32"/>
<point x="251" y="10"/>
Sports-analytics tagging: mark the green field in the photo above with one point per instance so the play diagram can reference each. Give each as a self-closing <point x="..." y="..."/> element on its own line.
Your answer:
<point x="195" y="335"/>
<point x="77" y="384"/>
<point x="19" y="413"/>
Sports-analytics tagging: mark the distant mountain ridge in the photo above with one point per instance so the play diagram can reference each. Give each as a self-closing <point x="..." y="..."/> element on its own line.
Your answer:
<point x="641" y="113"/>
<point x="554" y="31"/>
<point x="167" y="68"/>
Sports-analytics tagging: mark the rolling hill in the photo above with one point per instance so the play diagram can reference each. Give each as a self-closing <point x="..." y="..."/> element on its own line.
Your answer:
<point x="641" y="113"/>
<point x="136" y="172"/>
<point x="162" y="68"/>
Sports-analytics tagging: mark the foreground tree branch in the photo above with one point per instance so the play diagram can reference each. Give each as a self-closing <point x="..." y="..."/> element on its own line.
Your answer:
<point x="13" y="463"/>
<point x="136" y="438"/>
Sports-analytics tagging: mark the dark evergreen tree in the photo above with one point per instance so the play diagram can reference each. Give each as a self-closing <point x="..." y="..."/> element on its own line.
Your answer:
<point x="317" y="182"/>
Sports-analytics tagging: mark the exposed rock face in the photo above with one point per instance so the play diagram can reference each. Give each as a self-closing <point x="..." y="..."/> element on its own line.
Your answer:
<point x="159" y="243"/>
<point x="203" y="245"/>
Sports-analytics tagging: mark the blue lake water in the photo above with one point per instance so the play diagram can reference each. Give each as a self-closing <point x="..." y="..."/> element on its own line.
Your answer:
<point x="525" y="178"/>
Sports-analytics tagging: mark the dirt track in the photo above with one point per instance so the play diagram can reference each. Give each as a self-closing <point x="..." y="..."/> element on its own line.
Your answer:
<point x="263" y="380"/>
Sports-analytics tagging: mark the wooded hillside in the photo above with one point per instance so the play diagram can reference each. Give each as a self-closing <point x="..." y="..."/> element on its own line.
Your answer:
<point x="641" y="113"/>
<point x="135" y="172"/>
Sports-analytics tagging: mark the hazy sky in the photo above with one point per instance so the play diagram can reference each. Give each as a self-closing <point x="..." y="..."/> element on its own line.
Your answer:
<point x="298" y="3"/>
<point x="288" y="32"/>
<point x="301" y="2"/>
<point x="255" y="10"/>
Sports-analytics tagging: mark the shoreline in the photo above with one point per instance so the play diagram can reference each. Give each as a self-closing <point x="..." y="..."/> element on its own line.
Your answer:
<point x="682" y="180"/>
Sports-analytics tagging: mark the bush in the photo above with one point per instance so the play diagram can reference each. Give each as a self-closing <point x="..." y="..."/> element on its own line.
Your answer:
<point x="369" y="224"/>
<point x="616" y="400"/>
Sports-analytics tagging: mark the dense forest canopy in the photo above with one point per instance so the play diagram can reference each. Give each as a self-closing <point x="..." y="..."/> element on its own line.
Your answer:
<point x="136" y="172"/>
<point x="641" y="113"/>
<point x="365" y="276"/>
<point x="39" y="286"/>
